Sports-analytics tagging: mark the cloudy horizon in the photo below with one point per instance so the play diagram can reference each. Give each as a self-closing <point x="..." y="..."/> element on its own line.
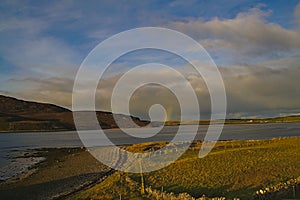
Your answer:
<point x="255" y="44"/>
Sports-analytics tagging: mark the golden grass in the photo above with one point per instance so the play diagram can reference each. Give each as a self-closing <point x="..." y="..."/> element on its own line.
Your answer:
<point x="232" y="169"/>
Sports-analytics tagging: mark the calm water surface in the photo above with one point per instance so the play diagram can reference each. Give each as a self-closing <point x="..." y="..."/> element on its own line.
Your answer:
<point x="13" y="145"/>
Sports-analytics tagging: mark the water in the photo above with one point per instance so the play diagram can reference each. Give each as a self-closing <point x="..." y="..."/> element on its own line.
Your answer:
<point x="10" y="142"/>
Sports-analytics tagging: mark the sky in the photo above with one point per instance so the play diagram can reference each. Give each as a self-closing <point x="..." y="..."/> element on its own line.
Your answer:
<point x="254" y="43"/>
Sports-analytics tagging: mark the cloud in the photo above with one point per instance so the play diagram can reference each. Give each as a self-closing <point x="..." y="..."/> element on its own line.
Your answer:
<point x="49" y="90"/>
<point x="247" y="34"/>
<point x="145" y="96"/>
<point x="25" y="46"/>
<point x="32" y="39"/>
<point x="45" y="43"/>
<point x="30" y="26"/>
<point x="259" y="88"/>
<point x="297" y="15"/>
<point x="43" y="55"/>
<point x="264" y="89"/>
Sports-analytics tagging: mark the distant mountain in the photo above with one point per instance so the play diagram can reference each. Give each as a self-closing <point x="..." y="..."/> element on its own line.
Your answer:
<point x="19" y="115"/>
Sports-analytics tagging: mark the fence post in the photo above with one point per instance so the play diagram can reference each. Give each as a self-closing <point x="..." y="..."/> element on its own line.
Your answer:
<point x="142" y="179"/>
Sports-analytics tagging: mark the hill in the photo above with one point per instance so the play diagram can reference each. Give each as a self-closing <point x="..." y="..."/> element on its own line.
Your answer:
<point x="18" y="115"/>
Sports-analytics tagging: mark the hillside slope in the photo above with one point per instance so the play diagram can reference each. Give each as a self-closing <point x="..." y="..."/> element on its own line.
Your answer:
<point x="19" y="115"/>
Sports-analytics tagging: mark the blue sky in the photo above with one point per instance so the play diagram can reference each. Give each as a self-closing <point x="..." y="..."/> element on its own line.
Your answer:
<point x="42" y="44"/>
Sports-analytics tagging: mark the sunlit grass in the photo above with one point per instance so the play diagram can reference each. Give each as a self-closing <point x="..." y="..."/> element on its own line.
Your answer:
<point x="232" y="169"/>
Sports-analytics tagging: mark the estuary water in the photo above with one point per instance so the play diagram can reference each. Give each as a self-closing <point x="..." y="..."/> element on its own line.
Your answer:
<point x="14" y="145"/>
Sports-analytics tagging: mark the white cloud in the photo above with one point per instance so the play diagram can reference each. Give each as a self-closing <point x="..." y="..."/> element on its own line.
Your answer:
<point x="297" y="15"/>
<point x="28" y="26"/>
<point x="24" y="45"/>
<point x="248" y="33"/>
<point x="269" y="87"/>
<point x="260" y="88"/>
<point x="50" y="90"/>
<point x="44" y="55"/>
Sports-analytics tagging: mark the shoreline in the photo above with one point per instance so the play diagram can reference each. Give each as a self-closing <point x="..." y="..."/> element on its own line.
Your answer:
<point x="65" y="172"/>
<point x="166" y="125"/>
<point x="37" y="157"/>
<point x="20" y="165"/>
<point x="33" y="158"/>
<point x="61" y="172"/>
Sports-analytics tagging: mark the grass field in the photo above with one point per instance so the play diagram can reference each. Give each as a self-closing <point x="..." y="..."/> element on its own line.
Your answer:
<point x="285" y="119"/>
<point x="232" y="169"/>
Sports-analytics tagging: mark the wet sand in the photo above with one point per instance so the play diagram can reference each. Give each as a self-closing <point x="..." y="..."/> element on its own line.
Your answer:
<point x="62" y="172"/>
